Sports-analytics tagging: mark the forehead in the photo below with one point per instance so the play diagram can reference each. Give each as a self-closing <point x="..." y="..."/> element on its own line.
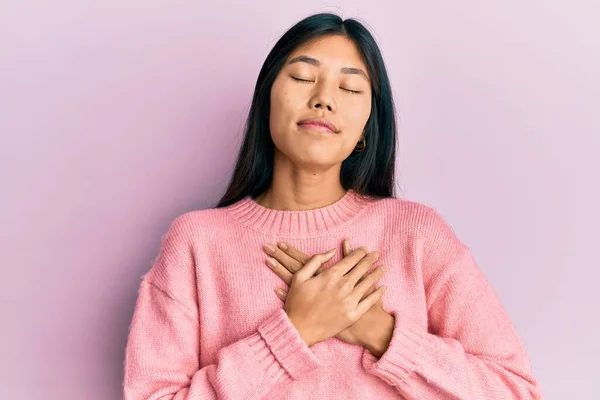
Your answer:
<point x="333" y="50"/>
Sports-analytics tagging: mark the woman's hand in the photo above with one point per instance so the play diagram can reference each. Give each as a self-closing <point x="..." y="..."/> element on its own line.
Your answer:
<point x="320" y="306"/>
<point x="287" y="260"/>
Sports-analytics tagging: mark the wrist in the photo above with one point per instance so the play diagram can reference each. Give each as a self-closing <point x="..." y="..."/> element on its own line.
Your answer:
<point x="306" y="334"/>
<point x="377" y="339"/>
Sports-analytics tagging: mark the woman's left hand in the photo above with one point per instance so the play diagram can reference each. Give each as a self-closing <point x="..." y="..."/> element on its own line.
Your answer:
<point x="287" y="260"/>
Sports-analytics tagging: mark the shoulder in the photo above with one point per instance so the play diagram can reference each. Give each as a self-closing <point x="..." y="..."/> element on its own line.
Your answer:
<point x="420" y="216"/>
<point x="423" y="223"/>
<point x="195" y="225"/>
<point x="187" y="230"/>
<point x="176" y="259"/>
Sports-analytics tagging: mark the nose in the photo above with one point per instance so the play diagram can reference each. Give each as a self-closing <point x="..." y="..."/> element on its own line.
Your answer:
<point x="323" y="99"/>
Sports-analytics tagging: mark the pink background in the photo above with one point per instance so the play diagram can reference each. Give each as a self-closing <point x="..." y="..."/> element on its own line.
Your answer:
<point x="117" y="116"/>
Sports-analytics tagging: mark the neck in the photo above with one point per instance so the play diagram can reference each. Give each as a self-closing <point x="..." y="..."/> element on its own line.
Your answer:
<point x="300" y="199"/>
<point x="298" y="189"/>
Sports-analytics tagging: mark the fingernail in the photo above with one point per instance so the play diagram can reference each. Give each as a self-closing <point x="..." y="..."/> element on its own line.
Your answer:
<point x="332" y="251"/>
<point x="282" y="246"/>
<point x="279" y="291"/>
<point x="272" y="263"/>
<point x="269" y="248"/>
<point x="376" y="254"/>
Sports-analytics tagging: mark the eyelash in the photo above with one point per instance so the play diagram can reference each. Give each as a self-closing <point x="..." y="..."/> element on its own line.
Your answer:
<point x="347" y="90"/>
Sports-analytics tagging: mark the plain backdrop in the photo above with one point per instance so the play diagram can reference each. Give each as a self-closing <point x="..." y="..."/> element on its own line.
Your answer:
<point x="118" y="116"/>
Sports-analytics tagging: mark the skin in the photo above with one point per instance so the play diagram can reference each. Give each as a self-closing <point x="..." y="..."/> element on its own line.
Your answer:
<point x="372" y="330"/>
<point x="325" y="78"/>
<point x="307" y="164"/>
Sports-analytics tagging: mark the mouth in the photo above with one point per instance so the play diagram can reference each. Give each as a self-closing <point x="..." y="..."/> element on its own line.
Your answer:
<point x="314" y="127"/>
<point x="321" y="125"/>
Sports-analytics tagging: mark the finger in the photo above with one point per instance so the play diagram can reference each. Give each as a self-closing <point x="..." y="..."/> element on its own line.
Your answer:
<point x="370" y="301"/>
<point x="321" y="269"/>
<point x="280" y="270"/>
<point x="370" y="290"/>
<point x="361" y="288"/>
<point x="313" y="264"/>
<point x="286" y="261"/>
<point x="294" y="253"/>
<point x="282" y="294"/>
<point x="344" y="247"/>
<point x="361" y="268"/>
<point x="350" y="261"/>
<point x="347" y="248"/>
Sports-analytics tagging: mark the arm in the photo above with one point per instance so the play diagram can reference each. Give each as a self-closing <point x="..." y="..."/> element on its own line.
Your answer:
<point x="470" y="349"/>
<point x="163" y="348"/>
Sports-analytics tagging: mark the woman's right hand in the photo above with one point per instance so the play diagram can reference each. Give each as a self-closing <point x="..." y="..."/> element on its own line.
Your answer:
<point x="320" y="306"/>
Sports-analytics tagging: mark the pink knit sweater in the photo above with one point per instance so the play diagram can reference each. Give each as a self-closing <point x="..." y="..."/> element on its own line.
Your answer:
<point x="207" y="324"/>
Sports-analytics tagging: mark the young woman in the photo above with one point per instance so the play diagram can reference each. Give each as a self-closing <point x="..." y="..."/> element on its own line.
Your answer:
<point x="317" y="168"/>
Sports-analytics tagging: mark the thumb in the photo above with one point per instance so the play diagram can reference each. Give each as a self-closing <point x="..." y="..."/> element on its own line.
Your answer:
<point x="310" y="268"/>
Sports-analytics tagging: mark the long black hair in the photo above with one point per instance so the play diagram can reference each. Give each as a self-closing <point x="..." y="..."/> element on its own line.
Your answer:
<point x="370" y="172"/>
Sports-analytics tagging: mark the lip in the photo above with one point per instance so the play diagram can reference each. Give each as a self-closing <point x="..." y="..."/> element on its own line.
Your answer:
<point x="318" y="123"/>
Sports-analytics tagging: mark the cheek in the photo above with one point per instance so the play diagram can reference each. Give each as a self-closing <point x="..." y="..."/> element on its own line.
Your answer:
<point x="357" y="114"/>
<point x="281" y="113"/>
<point x="281" y="106"/>
<point x="286" y="108"/>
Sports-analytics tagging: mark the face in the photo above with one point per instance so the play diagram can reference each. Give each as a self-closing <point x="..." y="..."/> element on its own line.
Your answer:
<point x="324" y="80"/>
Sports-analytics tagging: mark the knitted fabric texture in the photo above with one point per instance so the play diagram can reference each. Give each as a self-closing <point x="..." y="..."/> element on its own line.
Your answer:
<point x="208" y="325"/>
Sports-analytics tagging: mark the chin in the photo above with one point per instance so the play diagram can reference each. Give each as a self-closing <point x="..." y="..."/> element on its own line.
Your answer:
<point x="318" y="159"/>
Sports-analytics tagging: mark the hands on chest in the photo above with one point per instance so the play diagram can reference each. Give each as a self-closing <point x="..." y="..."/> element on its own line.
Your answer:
<point x="340" y="301"/>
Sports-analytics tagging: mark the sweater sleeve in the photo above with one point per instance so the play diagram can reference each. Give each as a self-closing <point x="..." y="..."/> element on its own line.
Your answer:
<point x="163" y="347"/>
<point x="470" y="349"/>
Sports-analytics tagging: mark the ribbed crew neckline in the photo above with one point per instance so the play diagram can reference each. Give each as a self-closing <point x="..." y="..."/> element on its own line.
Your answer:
<point x="299" y="223"/>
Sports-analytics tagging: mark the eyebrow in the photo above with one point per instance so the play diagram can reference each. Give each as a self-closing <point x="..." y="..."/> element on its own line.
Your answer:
<point x="317" y="63"/>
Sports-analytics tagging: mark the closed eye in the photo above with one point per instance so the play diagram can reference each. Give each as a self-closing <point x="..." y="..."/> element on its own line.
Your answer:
<point x="351" y="91"/>
<point x="309" y="81"/>
<point x="301" y="80"/>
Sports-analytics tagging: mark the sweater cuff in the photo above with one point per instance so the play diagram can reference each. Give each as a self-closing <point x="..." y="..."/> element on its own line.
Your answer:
<point x="286" y="345"/>
<point x="403" y="355"/>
